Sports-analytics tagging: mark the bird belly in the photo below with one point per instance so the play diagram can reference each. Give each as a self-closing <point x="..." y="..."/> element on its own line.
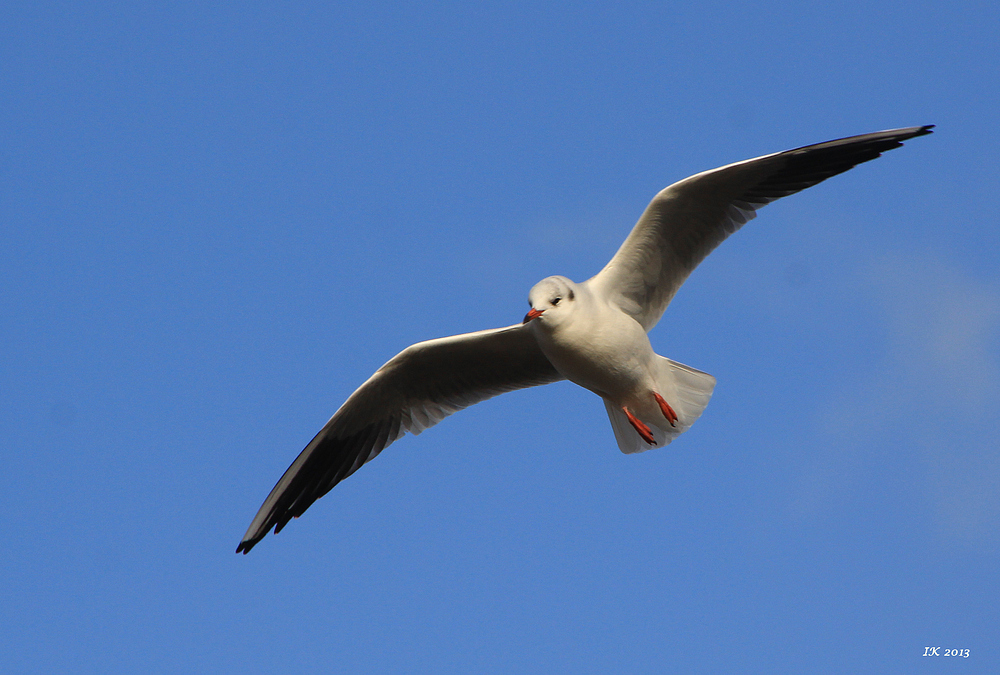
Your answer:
<point x="609" y="355"/>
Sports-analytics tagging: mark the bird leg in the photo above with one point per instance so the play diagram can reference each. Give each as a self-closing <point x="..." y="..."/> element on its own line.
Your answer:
<point x="665" y="408"/>
<point x="643" y="430"/>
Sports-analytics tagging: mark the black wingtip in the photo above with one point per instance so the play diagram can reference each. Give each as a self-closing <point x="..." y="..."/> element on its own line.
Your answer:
<point x="246" y="545"/>
<point x="908" y="134"/>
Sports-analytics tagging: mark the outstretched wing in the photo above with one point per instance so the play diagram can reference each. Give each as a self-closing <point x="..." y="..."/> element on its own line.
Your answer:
<point x="415" y="390"/>
<point x="687" y="220"/>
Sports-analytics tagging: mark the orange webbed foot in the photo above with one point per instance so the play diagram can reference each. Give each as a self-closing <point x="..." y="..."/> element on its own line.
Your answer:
<point x="665" y="408"/>
<point x="643" y="430"/>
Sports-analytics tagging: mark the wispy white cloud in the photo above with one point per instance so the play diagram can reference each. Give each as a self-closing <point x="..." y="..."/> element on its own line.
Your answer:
<point x="943" y="334"/>
<point x="932" y="402"/>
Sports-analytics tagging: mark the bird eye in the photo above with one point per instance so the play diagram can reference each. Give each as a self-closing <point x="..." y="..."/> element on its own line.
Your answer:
<point x="555" y="301"/>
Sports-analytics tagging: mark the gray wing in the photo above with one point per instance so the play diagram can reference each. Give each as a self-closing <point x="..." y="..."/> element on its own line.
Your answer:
<point x="687" y="220"/>
<point x="415" y="390"/>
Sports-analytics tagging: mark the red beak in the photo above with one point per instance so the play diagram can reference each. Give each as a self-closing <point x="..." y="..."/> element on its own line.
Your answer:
<point x="534" y="313"/>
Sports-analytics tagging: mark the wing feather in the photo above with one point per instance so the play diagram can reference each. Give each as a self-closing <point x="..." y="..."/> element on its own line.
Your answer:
<point x="415" y="390"/>
<point x="688" y="219"/>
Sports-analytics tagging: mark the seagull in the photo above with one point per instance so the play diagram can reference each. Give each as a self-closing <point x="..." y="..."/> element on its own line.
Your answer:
<point x="592" y="333"/>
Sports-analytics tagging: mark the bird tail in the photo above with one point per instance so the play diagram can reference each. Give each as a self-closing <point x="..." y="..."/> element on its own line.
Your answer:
<point x="686" y="389"/>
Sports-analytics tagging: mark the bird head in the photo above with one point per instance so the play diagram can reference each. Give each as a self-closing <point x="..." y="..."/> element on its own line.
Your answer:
<point x="552" y="298"/>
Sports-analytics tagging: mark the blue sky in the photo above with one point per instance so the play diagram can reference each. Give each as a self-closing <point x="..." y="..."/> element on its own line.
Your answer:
<point x="219" y="220"/>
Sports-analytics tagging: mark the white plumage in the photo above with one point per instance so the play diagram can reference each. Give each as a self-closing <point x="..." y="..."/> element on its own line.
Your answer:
<point x="592" y="333"/>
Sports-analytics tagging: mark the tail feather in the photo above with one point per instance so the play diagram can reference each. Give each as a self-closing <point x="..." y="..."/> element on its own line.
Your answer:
<point x="686" y="389"/>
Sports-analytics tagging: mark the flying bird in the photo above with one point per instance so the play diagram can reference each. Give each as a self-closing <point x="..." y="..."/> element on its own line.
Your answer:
<point x="592" y="333"/>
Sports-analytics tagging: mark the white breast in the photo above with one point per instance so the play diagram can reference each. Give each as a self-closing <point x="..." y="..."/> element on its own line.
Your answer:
<point x="598" y="347"/>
